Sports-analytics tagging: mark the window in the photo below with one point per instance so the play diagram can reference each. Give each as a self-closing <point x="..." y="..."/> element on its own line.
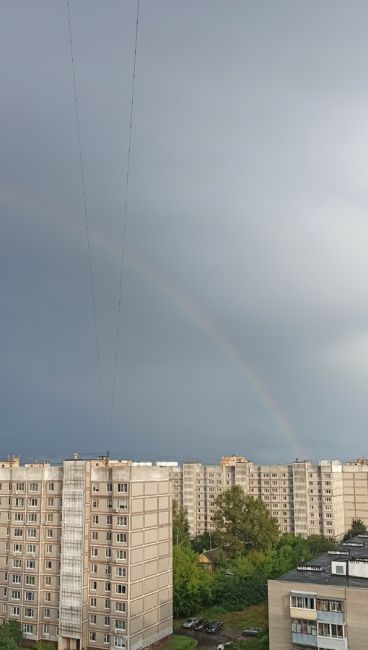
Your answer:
<point x="122" y="487"/>
<point x="93" y="601"/>
<point x="120" y="589"/>
<point x="303" y="602"/>
<point x="45" y="629"/>
<point x="51" y="487"/>
<point x="31" y="548"/>
<point x="19" y="487"/>
<point x="16" y="579"/>
<point x="123" y="504"/>
<point x="33" y="487"/>
<point x="109" y="487"/>
<point x="121" y="538"/>
<point x="109" y="520"/>
<point x="107" y="639"/>
<point x="50" y="502"/>
<point x="120" y="572"/>
<point x="30" y="580"/>
<point x="94" y="568"/>
<point x="17" y="548"/>
<point x="120" y="606"/>
<point x="119" y="624"/>
<point x="108" y="536"/>
<point x="50" y="532"/>
<point x="92" y="636"/>
<point x="15" y="594"/>
<point x="107" y="620"/>
<point x="19" y="502"/>
<point x="32" y="502"/>
<point x="47" y="597"/>
<point x="325" y="605"/>
<point x="32" y="517"/>
<point x="94" y="535"/>
<point x="107" y="586"/>
<point x="31" y="532"/>
<point x="28" y="612"/>
<point x="95" y="519"/>
<point x="48" y="548"/>
<point x="93" y="619"/>
<point x="17" y="563"/>
<point x="119" y="642"/>
<point x="93" y="585"/>
<point x="95" y="487"/>
<point x="94" y="552"/>
<point x="15" y="610"/>
<point x="107" y="603"/>
<point x="29" y="595"/>
<point x="121" y="554"/>
<point x="94" y="503"/>
<point x="18" y="532"/>
<point x="18" y="516"/>
<point x="107" y="570"/>
<point x="301" y="626"/>
<point x="50" y="516"/>
<point x="48" y="581"/>
<point x="28" y="628"/>
<point x="122" y="521"/>
<point x="46" y="612"/>
<point x="48" y="565"/>
<point x="107" y="552"/>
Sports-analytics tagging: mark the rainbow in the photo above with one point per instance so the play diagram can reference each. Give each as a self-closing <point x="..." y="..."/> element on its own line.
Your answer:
<point x="176" y="294"/>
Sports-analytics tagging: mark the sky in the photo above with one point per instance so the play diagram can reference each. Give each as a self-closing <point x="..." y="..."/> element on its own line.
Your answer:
<point x="244" y="311"/>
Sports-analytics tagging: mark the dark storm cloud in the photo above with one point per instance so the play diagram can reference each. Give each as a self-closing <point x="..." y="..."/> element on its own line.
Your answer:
<point x="244" y="317"/>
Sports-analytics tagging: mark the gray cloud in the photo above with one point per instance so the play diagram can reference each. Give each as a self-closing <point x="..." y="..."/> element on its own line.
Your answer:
<point x="244" y="302"/>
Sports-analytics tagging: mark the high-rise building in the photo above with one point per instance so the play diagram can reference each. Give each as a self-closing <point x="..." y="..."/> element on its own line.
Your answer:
<point x="86" y="552"/>
<point x="304" y="498"/>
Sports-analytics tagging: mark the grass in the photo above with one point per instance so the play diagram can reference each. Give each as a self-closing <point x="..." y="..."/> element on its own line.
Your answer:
<point x="254" y="616"/>
<point x="180" y="642"/>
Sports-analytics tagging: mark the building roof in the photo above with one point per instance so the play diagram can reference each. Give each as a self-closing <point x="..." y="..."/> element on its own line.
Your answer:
<point x="319" y="570"/>
<point x="212" y="556"/>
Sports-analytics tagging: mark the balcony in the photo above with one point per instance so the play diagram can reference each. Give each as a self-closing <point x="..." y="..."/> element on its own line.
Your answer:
<point x="304" y="639"/>
<point x="329" y="643"/>
<point x="331" y="617"/>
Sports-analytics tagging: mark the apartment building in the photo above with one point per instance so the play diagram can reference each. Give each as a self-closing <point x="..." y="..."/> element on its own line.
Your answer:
<point x="86" y="552"/>
<point x="323" y="604"/>
<point x="304" y="498"/>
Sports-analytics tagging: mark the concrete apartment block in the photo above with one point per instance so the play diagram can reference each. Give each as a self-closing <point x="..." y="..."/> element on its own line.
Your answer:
<point x="304" y="498"/>
<point x="322" y="604"/>
<point x="86" y="552"/>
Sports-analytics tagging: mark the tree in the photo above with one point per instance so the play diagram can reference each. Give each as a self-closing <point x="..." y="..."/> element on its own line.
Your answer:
<point x="243" y="523"/>
<point x="357" y="528"/>
<point x="192" y="585"/>
<point x="10" y="635"/>
<point x="204" y="542"/>
<point x="180" y="525"/>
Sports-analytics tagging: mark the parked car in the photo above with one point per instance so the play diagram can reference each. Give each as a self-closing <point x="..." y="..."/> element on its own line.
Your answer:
<point x="214" y="627"/>
<point x="252" y="631"/>
<point x="201" y="624"/>
<point x="225" y="646"/>
<point x="190" y="622"/>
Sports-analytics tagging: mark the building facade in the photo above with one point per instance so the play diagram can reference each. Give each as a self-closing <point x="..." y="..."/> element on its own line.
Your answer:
<point x="303" y="497"/>
<point x="86" y="552"/>
<point x="324" y="604"/>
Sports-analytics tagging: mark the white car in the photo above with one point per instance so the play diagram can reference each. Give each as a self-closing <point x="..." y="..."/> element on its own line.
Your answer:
<point x="224" y="646"/>
<point x="190" y="622"/>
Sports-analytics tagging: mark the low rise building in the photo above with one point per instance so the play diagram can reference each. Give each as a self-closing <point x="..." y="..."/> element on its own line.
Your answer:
<point x="324" y="603"/>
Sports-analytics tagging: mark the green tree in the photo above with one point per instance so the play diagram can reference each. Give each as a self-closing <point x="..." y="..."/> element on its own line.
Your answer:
<point x="192" y="585"/>
<point x="10" y="635"/>
<point x="180" y="525"/>
<point x="243" y="523"/>
<point x="357" y="528"/>
<point x="319" y="544"/>
<point x="204" y="542"/>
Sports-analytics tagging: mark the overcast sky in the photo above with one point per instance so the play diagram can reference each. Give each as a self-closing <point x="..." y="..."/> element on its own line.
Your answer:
<point x="244" y="322"/>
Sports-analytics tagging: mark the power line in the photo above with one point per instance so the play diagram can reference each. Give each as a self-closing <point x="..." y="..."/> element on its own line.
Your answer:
<point x="125" y="217"/>
<point x="86" y="221"/>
